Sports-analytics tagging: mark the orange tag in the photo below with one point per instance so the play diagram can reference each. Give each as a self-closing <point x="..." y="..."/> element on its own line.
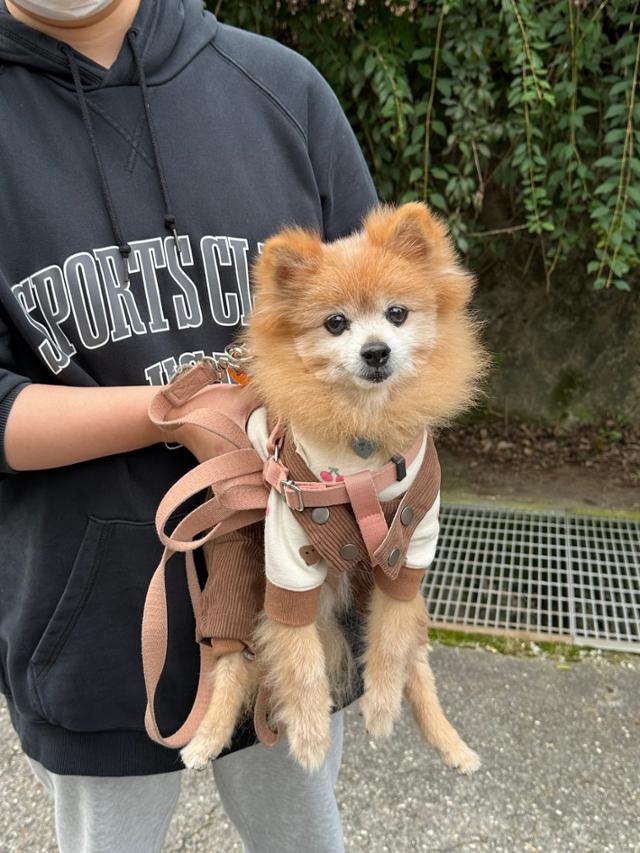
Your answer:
<point x="240" y="378"/>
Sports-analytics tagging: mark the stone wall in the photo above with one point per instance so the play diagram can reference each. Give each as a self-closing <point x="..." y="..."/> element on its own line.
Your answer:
<point x="572" y="354"/>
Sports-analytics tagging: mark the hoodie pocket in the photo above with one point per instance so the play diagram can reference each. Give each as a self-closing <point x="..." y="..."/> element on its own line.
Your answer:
<point x="86" y="670"/>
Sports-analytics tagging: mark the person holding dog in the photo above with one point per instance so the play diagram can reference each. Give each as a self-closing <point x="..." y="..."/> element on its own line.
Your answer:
<point x="146" y="153"/>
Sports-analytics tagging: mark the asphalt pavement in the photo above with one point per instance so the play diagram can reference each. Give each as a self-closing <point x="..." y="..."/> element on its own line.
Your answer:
<point x="560" y="745"/>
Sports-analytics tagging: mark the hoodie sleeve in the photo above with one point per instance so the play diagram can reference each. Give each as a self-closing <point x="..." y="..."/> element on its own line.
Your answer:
<point x="300" y="92"/>
<point x="11" y="383"/>
<point x="346" y="188"/>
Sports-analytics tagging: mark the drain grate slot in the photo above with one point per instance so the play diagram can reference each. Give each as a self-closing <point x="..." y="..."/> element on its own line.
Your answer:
<point x="605" y="556"/>
<point x="548" y="575"/>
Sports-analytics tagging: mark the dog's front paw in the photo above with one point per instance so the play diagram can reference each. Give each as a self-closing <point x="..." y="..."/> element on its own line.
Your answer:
<point x="379" y="712"/>
<point x="234" y="680"/>
<point x="200" y="750"/>
<point x="293" y="658"/>
<point x="310" y="739"/>
<point x="461" y="758"/>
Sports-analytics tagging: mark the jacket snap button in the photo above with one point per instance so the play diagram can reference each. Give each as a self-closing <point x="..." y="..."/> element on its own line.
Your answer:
<point x="320" y="515"/>
<point x="393" y="557"/>
<point x="406" y="516"/>
<point x="349" y="552"/>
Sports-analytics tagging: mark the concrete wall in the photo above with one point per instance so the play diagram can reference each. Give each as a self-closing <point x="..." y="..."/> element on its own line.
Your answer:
<point x="572" y="354"/>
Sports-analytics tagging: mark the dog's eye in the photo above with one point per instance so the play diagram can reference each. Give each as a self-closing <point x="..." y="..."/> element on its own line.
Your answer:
<point x="396" y="315"/>
<point x="336" y="324"/>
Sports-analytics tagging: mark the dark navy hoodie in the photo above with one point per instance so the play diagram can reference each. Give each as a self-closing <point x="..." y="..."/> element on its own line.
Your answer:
<point x="94" y="292"/>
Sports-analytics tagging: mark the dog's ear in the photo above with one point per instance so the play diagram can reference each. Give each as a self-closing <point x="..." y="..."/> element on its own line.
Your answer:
<point x="289" y="257"/>
<point x="411" y="230"/>
<point x="455" y="287"/>
<point x="417" y="234"/>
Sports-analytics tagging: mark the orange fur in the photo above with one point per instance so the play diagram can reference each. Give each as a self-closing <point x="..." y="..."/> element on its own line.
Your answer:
<point x="420" y="691"/>
<point x="294" y="666"/>
<point x="234" y="688"/>
<point x="403" y="255"/>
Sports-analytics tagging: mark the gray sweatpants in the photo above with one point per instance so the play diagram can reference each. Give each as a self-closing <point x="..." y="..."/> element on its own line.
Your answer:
<point x="276" y="806"/>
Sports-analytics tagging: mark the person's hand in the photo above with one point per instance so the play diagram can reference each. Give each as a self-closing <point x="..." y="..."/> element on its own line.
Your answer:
<point x="198" y="441"/>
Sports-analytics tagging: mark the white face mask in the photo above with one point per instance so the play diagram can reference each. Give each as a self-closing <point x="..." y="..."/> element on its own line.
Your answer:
<point x="63" y="10"/>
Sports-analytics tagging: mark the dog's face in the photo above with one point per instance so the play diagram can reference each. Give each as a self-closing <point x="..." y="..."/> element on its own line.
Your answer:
<point x="363" y="320"/>
<point x="364" y="325"/>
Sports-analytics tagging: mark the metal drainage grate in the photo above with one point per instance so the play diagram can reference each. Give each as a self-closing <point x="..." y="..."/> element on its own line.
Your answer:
<point x="545" y="575"/>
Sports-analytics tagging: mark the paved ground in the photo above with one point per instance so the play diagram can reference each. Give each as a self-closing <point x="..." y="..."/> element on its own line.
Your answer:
<point x="561" y="751"/>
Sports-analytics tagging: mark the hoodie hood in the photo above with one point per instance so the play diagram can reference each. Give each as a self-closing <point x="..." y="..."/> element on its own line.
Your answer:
<point x="170" y="34"/>
<point x="165" y="37"/>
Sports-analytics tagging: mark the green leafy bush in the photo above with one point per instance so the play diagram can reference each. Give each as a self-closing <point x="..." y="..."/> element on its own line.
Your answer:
<point x="518" y="120"/>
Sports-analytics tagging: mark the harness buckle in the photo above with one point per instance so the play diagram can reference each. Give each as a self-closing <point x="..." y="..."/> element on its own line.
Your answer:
<point x="296" y="488"/>
<point x="401" y="466"/>
<point x="216" y="364"/>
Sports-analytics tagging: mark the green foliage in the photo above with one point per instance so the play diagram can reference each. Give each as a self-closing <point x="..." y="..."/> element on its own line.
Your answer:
<point x="516" y="119"/>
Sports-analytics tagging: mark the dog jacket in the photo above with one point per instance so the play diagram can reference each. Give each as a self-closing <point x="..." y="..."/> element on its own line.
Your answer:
<point x="301" y="545"/>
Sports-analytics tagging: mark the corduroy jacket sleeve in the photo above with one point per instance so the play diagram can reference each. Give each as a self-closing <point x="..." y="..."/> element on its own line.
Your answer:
<point x="11" y="383"/>
<point x="234" y="591"/>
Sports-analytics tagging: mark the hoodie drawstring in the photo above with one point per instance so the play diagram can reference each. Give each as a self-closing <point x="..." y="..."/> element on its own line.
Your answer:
<point x="169" y="219"/>
<point x="123" y="247"/>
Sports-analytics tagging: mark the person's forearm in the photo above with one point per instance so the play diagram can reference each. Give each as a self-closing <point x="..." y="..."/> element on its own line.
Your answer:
<point x="50" y="426"/>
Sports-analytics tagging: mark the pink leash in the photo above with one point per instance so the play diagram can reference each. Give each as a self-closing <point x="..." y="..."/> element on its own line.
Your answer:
<point x="240" y="498"/>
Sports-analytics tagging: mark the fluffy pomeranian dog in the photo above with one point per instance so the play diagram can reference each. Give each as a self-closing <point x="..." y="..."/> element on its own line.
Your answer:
<point x="360" y="347"/>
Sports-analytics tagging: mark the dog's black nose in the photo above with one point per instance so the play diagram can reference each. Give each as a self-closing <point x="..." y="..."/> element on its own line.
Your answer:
<point x="376" y="354"/>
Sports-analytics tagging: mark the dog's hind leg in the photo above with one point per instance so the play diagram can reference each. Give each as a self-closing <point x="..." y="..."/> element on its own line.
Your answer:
<point x="421" y="694"/>
<point x="234" y="683"/>
<point x="393" y="630"/>
<point x="293" y="661"/>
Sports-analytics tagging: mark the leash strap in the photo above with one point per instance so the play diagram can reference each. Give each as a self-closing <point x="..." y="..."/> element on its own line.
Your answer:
<point x="184" y="386"/>
<point x="154" y="654"/>
<point x="239" y="499"/>
<point x="266" y="734"/>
